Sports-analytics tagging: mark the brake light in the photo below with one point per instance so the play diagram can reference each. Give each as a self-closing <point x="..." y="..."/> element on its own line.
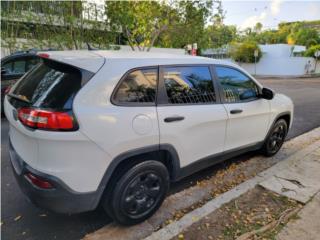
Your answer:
<point x="43" y="119"/>
<point x="44" y="55"/>
<point x="39" y="182"/>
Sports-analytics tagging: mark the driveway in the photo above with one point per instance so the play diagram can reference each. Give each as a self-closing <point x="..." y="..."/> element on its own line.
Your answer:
<point x="33" y="223"/>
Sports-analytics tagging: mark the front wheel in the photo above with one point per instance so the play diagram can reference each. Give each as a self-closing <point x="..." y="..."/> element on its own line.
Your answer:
<point x="139" y="192"/>
<point x="275" y="138"/>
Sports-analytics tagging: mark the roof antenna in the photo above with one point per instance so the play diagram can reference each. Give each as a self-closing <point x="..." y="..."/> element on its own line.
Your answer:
<point x="90" y="48"/>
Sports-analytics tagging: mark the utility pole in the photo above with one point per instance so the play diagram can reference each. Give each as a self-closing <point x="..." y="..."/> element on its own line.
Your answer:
<point x="316" y="54"/>
<point x="256" y="53"/>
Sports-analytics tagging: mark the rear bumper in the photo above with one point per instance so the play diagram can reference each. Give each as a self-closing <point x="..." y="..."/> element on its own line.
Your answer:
<point x="60" y="199"/>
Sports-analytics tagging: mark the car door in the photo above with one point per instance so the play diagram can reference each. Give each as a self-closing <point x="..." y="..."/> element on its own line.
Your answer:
<point x="191" y="118"/>
<point x="248" y="113"/>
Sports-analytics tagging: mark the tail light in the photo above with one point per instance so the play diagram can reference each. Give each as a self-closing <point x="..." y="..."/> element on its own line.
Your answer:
<point x="43" y="55"/>
<point x="44" y="119"/>
<point x="39" y="182"/>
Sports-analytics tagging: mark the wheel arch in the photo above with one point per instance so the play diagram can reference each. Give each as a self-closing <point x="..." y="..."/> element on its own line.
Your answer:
<point x="164" y="153"/>
<point x="283" y="115"/>
<point x="286" y="116"/>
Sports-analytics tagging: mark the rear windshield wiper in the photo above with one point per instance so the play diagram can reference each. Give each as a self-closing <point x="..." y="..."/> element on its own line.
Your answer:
<point x="19" y="97"/>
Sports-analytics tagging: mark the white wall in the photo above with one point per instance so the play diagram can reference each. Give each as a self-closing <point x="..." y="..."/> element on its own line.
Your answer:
<point x="277" y="60"/>
<point x="286" y="66"/>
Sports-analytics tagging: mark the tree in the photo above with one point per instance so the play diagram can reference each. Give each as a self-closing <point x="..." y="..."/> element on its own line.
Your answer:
<point x="144" y="23"/>
<point x="311" y="51"/>
<point x="52" y="24"/>
<point x="221" y="35"/>
<point x="258" y="27"/>
<point x="306" y="37"/>
<point x="244" y="52"/>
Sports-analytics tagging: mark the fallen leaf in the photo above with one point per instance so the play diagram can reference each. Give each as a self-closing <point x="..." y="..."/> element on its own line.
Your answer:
<point x="43" y="215"/>
<point x="181" y="236"/>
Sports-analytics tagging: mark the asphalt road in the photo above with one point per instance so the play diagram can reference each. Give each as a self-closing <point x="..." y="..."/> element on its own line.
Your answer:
<point x="38" y="224"/>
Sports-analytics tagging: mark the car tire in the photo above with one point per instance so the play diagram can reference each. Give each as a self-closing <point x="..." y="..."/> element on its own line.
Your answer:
<point x="275" y="138"/>
<point x="138" y="193"/>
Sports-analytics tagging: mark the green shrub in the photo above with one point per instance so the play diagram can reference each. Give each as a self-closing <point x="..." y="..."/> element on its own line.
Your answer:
<point x="244" y="52"/>
<point x="311" y="50"/>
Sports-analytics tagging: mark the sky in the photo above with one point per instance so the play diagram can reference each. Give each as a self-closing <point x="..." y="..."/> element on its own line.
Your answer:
<point x="245" y="14"/>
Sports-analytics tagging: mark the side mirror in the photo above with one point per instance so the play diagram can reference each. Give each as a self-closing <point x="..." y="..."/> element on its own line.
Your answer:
<point x="267" y="93"/>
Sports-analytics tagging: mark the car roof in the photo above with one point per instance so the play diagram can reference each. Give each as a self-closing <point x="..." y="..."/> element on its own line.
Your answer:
<point x="94" y="59"/>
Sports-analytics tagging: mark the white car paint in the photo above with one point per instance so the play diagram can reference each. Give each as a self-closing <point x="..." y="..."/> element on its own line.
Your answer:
<point x="81" y="158"/>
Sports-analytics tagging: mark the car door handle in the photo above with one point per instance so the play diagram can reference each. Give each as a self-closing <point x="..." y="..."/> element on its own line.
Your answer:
<point x="173" y="119"/>
<point x="236" y="111"/>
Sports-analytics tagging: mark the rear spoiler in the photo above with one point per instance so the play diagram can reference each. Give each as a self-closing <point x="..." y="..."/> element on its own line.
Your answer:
<point x="87" y="60"/>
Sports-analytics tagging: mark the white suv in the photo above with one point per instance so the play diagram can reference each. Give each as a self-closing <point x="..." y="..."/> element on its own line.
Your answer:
<point x="90" y="127"/>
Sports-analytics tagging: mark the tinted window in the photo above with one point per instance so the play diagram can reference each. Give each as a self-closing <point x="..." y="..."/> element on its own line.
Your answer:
<point x="189" y="85"/>
<point x="31" y="62"/>
<point x="7" y="67"/>
<point x="49" y="85"/>
<point x="138" y="87"/>
<point x="19" y="67"/>
<point x="236" y="86"/>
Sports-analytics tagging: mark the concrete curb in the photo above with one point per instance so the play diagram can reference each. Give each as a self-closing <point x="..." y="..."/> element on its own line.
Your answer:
<point x="175" y="228"/>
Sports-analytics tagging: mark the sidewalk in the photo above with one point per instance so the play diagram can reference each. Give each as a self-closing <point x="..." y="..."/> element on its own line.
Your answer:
<point x="262" y="211"/>
<point x="225" y="184"/>
<point x="307" y="226"/>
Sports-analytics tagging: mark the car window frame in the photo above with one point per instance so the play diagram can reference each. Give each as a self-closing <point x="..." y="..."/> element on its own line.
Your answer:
<point x="134" y="104"/>
<point x="28" y="59"/>
<point x="221" y="91"/>
<point x="163" y="99"/>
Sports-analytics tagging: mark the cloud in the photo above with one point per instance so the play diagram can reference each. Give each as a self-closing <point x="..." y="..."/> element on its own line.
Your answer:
<point x="275" y="7"/>
<point x="253" y="20"/>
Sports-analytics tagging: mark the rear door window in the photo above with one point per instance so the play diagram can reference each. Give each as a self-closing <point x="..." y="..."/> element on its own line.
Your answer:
<point x="49" y="85"/>
<point x="189" y="85"/>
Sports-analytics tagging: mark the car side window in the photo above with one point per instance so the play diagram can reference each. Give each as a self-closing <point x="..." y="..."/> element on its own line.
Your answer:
<point x="19" y="67"/>
<point x="236" y="86"/>
<point x="189" y="85"/>
<point x="7" y="67"/>
<point x="139" y="87"/>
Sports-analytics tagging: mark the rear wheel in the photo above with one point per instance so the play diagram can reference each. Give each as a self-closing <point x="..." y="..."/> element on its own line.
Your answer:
<point x="275" y="138"/>
<point x="138" y="193"/>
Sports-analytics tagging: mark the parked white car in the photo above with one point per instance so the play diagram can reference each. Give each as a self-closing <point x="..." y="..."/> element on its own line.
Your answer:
<point x="90" y="127"/>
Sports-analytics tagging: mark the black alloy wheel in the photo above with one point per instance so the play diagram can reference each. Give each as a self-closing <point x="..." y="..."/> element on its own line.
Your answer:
<point x="141" y="194"/>
<point x="138" y="193"/>
<point x="276" y="138"/>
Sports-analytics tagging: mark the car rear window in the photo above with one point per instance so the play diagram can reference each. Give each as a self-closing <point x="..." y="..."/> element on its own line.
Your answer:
<point x="49" y="85"/>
